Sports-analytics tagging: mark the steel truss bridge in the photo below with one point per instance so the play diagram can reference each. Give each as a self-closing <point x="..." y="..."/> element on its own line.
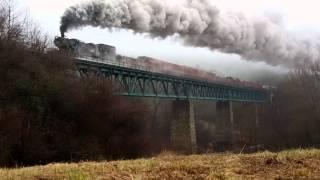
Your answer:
<point x="143" y="83"/>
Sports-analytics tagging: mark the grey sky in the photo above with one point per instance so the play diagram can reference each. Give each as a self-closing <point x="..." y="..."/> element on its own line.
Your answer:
<point x="298" y="16"/>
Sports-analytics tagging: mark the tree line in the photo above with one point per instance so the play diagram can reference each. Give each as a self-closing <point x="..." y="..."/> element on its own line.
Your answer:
<point x="50" y="113"/>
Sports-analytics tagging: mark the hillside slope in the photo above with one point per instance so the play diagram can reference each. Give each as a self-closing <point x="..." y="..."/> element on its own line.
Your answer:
<point x="292" y="164"/>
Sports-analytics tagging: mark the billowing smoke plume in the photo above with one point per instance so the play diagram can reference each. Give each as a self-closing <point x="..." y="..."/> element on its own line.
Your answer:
<point x="198" y="23"/>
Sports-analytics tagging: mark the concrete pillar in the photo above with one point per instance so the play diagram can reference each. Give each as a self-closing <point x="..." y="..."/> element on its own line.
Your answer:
<point x="231" y="114"/>
<point x="225" y="112"/>
<point x="225" y="121"/>
<point x="183" y="130"/>
<point x="257" y="115"/>
<point x="257" y="123"/>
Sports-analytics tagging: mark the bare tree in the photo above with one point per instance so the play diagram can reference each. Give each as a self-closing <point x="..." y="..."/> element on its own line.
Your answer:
<point x="10" y="27"/>
<point x="18" y="27"/>
<point x="309" y="80"/>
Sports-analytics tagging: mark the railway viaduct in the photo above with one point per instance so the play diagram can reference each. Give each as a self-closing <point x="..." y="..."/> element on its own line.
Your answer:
<point x="139" y="82"/>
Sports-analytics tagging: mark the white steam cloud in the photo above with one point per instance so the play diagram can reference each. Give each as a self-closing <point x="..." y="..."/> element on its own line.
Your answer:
<point x="199" y="23"/>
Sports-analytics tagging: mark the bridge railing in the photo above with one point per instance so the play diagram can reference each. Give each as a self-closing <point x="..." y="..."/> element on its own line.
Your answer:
<point x="135" y="65"/>
<point x="138" y="83"/>
<point x="116" y="63"/>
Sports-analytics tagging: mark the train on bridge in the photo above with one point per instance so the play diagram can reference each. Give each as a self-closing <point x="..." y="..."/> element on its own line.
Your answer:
<point x="107" y="54"/>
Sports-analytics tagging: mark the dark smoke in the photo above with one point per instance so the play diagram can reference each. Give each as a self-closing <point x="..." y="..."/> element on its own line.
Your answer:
<point x="198" y="23"/>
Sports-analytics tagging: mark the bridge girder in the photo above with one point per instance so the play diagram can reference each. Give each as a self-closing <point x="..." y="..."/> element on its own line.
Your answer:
<point x="139" y="83"/>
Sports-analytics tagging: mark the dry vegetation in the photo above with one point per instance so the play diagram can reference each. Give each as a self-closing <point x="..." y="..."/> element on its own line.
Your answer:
<point x="292" y="164"/>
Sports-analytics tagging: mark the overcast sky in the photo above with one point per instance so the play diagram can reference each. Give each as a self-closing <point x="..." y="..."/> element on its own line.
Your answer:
<point x="297" y="15"/>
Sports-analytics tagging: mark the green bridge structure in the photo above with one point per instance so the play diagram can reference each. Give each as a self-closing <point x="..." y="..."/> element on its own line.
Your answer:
<point x="139" y="82"/>
<point x="129" y="79"/>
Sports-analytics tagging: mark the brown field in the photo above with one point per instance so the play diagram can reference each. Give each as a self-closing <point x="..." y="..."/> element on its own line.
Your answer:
<point x="291" y="164"/>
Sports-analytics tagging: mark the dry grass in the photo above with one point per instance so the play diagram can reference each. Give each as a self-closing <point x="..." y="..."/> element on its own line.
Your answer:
<point x="292" y="164"/>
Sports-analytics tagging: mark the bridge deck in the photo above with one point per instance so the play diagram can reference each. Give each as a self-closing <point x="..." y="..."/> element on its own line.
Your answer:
<point x="143" y="83"/>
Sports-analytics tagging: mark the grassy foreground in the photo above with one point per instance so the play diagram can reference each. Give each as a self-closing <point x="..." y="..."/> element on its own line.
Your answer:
<point x="292" y="164"/>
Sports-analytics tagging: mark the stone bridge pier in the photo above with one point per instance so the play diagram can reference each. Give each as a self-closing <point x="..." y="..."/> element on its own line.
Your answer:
<point x="225" y="122"/>
<point x="183" y="127"/>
